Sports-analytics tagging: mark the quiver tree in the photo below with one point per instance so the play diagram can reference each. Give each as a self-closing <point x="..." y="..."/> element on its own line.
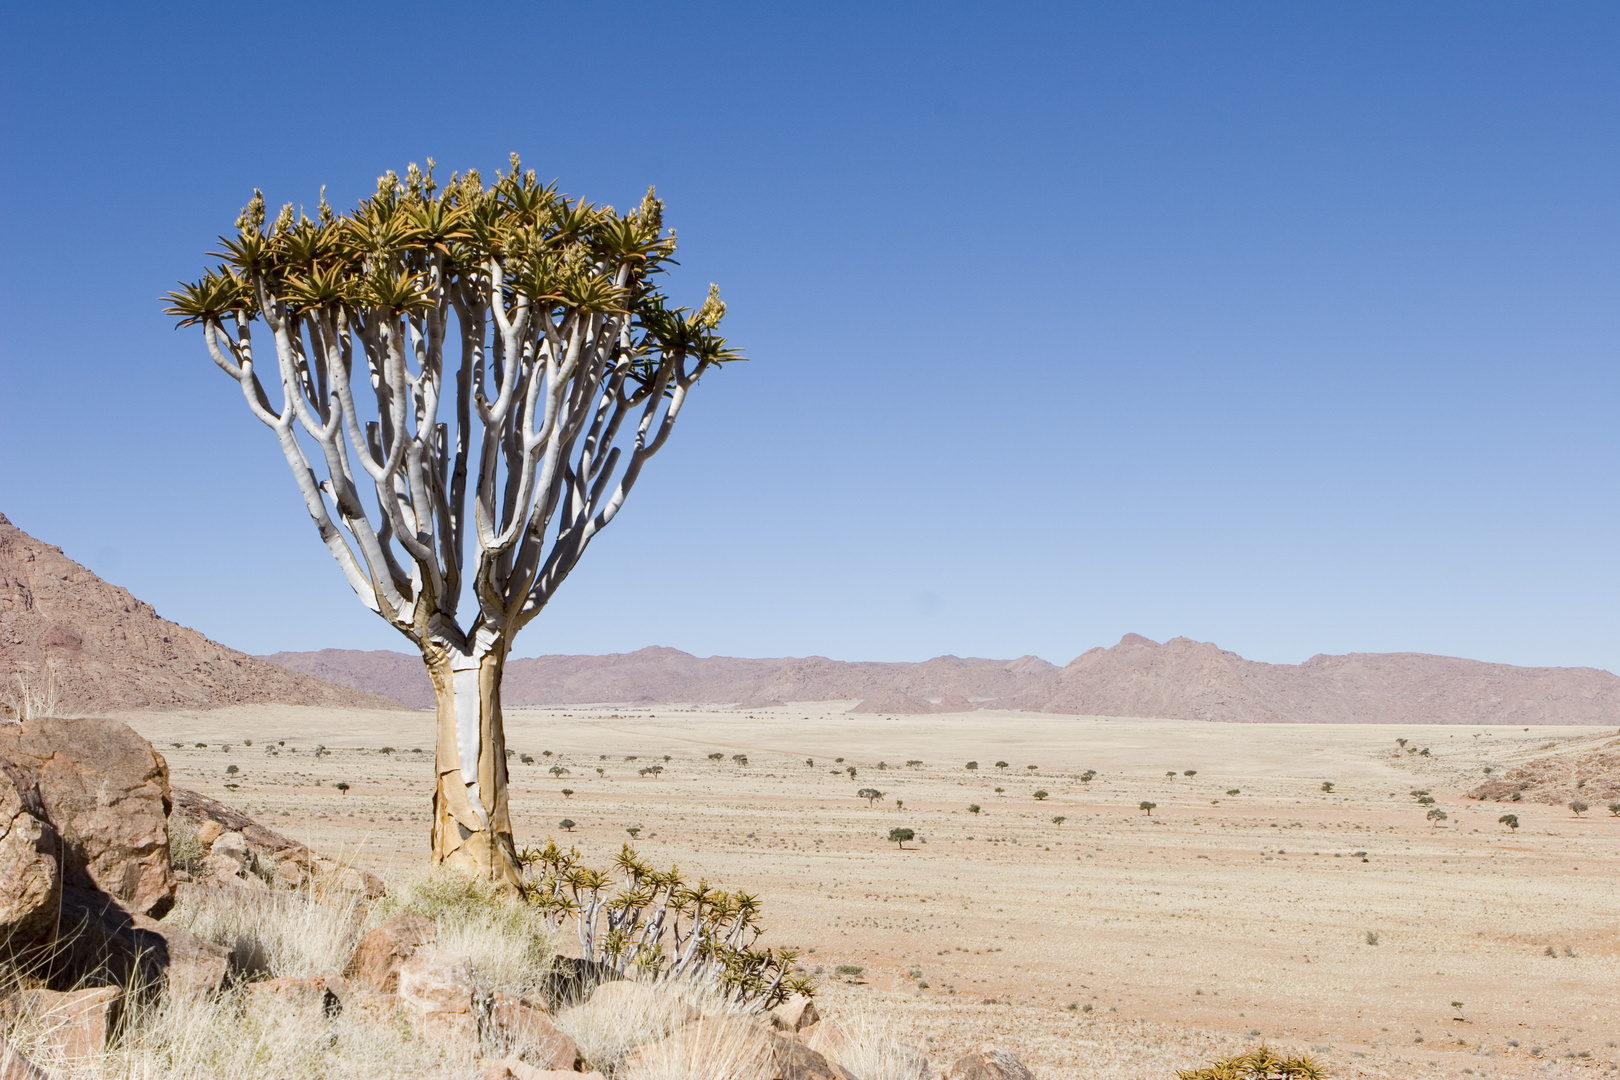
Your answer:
<point x="461" y="374"/>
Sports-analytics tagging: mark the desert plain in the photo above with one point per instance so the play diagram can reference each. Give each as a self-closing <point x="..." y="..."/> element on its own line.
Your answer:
<point x="1115" y="943"/>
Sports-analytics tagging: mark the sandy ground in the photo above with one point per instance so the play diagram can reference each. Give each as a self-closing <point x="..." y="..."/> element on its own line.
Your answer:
<point x="1115" y="944"/>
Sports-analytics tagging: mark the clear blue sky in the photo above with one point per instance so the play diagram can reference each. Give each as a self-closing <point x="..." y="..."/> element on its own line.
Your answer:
<point x="1287" y="326"/>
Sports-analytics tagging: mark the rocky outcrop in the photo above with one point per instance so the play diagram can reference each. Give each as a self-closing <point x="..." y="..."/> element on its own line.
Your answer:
<point x="78" y="1024"/>
<point x="105" y="649"/>
<point x="30" y="853"/>
<point x="240" y="848"/>
<point x="92" y="797"/>
<point x="377" y="961"/>
<point x="438" y="988"/>
<point x="989" y="1063"/>
<point x="1585" y="768"/>
<point x="14" y="1066"/>
<point x="106" y="792"/>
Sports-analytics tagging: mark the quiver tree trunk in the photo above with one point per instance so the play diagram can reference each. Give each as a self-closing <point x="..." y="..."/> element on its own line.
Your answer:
<point x="472" y="827"/>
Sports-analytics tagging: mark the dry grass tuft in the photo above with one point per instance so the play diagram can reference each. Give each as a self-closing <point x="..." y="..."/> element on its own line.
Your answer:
<point x="276" y="934"/>
<point x="510" y="942"/>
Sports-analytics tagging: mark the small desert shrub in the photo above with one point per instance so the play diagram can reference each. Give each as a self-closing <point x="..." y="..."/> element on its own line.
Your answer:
<point x="186" y="852"/>
<point x="510" y="941"/>
<point x="1258" y="1064"/>
<point x="190" y="1038"/>
<point x="1510" y="820"/>
<point x="851" y="970"/>
<point x="872" y="1051"/>
<point x="1147" y="806"/>
<point x="1040" y="796"/>
<point x="712" y="1051"/>
<point x="1579" y="807"/>
<point x="900" y="836"/>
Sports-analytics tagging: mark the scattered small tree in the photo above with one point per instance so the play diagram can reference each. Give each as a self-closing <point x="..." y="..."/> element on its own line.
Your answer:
<point x="870" y="794"/>
<point x="899" y="804"/>
<point x="1436" y="815"/>
<point x="567" y="792"/>
<point x="656" y="770"/>
<point x="1088" y="776"/>
<point x="1171" y="774"/>
<point x="557" y="770"/>
<point x="973" y="808"/>
<point x="809" y="762"/>
<point x="1060" y="819"/>
<point x="1327" y="785"/>
<point x="1032" y="768"/>
<point x="1510" y="820"/>
<point x="1614" y="808"/>
<point x="849" y="769"/>
<point x="1233" y="791"/>
<point x="1426" y="800"/>
<point x="717" y="756"/>
<point x="231" y="770"/>
<point x="343" y="786"/>
<point x="1148" y="806"/>
<point x="566" y="824"/>
<point x="740" y="759"/>
<point x="1190" y="772"/>
<point x="1001" y="764"/>
<point x="1040" y="796"/>
<point x="972" y="765"/>
<point x="913" y="763"/>
<point x="900" y="836"/>
<point x="633" y="830"/>
<point x="1000" y="790"/>
<point x="1579" y="807"/>
<point x="527" y="759"/>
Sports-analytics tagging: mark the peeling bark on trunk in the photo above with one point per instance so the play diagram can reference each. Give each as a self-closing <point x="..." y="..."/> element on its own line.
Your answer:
<point x="472" y="828"/>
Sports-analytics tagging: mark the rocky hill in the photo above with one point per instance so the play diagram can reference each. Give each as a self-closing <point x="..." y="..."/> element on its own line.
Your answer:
<point x="109" y="651"/>
<point x="1180" y="678"/>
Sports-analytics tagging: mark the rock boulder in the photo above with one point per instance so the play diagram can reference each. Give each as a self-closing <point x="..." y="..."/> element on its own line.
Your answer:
<point x="106" y="792"/>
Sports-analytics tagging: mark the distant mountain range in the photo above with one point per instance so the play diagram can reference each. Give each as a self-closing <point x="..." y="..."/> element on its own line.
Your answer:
<point x="106" y="650"/>
<point x="109" y="651"/>
<point x="1181" y="678"/>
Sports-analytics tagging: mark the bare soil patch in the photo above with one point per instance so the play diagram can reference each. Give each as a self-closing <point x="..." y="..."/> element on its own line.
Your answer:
<point x="1117" y="943"/>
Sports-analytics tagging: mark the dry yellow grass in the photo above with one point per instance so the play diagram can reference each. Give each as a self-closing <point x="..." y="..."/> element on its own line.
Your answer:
<point x="1218" y="916"/>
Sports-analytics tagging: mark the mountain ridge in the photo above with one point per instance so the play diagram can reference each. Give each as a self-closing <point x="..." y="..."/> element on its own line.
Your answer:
<point x="1179" y="678"/>
<point x="107" y="650"/>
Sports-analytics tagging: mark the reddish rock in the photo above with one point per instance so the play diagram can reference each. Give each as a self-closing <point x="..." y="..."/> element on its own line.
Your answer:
<point x="29" y="852"/>
<point x="517" y="1069"/>
<point x="193" y="968"/>
<point x="527" y="1031"/>
<point x="436" y="987"/>
<point x="376" y="962"/>
<point x="14" y="1066"/>
<point x="106" y="791"/>
<point x="311" y="998"/>
<point x="989" y="1063"/>
<point x="77" y="1024"/>
<point x="795" y="1014"/>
